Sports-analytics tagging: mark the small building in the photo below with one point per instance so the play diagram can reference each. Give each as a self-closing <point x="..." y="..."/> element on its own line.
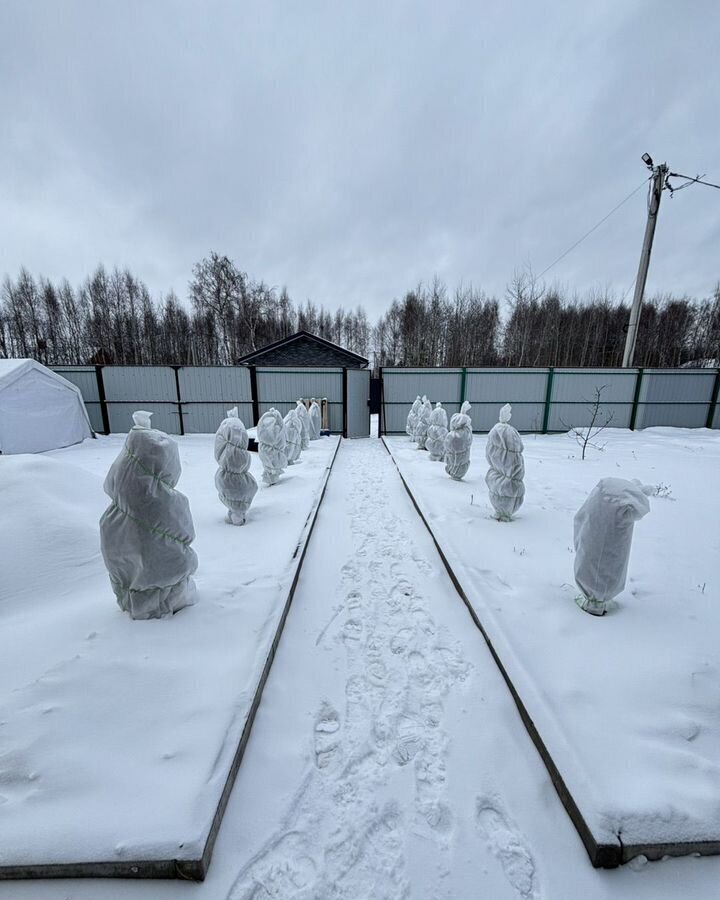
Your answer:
<point x="304" y="350"/>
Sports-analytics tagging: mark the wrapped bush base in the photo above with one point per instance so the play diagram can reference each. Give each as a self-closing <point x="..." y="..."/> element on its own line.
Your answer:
<point x="504" y="479"/>
<point x="235" y="484"/>
<point x="437" y="432"/>
<point x="603" y="531"/>
<point x="458" y="442"/>
<point x="293" y="436"/>
<point x="315" y="420"/>
<point x="146" y="532"/>
<point x="271" y="446"/>
<point x="304" y="417"/>
<point x="412" y="418"/>
<point x="423" y="423"/>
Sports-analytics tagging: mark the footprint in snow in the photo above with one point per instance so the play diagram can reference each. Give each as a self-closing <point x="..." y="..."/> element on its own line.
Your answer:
<point x="326" y="736"/>
<point x="507" y="844"/>
<point x="283" y="869"/>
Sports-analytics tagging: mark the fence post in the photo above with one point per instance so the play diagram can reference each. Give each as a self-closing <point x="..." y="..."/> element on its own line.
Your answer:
<point x="381" y="414"/>
<point x="345" y="400"/>
<point x="179" y="399"/>
<point x="713" y="401"/>
<point x="254" y="394"/>
<point x="636" y="398"/>
<point x="102" y="398"/>
<point x="548" y="398"/>
<point x="463" y="385"/>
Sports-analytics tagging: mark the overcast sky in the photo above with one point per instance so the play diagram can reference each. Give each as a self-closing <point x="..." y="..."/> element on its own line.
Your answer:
<point x="350" y="150"/>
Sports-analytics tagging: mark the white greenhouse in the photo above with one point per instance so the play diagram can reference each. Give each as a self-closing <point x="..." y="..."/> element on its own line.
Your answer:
<point x="39" y="410"/>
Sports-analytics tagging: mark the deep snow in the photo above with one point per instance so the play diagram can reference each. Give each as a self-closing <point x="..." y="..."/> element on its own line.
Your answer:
<point x="117" y="736"/>
<point x="387" y="756"/>
<point x="626" y="704"/>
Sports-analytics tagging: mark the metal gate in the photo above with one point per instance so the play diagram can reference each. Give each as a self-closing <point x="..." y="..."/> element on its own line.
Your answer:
<point x="357" y="403"/>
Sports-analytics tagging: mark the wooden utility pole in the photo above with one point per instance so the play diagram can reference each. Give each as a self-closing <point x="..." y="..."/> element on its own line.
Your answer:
<point x="659" y="175"/>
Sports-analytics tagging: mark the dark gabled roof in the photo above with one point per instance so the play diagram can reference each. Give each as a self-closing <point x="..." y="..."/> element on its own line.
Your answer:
<point x="249" y="358"/>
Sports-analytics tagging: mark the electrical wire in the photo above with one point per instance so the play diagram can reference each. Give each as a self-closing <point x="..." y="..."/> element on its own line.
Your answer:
<point x="595" y="227"/>
<point x="690" y="180"/>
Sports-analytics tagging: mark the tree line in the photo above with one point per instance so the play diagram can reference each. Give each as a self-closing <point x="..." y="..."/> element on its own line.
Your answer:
<point x="112" y="318"/>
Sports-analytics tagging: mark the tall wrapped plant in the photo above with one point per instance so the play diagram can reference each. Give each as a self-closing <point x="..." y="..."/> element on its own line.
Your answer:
<point x="314" y="420"/>
<point x="271" y="445"/>
<point x="235" y="484"/>
<point x="411" y="423"/>
<point x="423" y="423"/>
<point x="504" y="453"/>
<point x="293" y="435"/>
<point x="458" y="442"/>
<point x="437" y="432"/>
<point x="304" y="417"/>
<point x="146" y="532"/>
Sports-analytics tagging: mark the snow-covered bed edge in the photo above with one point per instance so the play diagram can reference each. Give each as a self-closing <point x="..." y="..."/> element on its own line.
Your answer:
<point x="192" y="869"/>
<point x="603" y="853"/>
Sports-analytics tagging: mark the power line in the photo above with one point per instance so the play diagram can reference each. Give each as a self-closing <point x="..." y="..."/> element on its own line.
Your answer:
<point x="697" y="180"/>
<point x="595" y="227"/>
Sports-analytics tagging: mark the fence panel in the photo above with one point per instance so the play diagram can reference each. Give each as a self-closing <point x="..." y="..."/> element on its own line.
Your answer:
<point x="85" y="378"/>
<point x="357" y="400"/>
<point x="402" y="386"/>
<point x="573" y="396"/>
<point x="489" y="389"/>
<point x="281" y="388"/>
<point x="555" y="399"/>
<point x="679" y="398"/>
<point x="128" y="388"/>
<point x="208" y="392"/>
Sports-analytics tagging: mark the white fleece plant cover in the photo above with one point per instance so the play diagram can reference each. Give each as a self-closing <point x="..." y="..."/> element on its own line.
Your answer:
<point x="304" y="417"/>
<point x="293" y="436"/>
<point x="39" y="409"/>
<point x="271" y="445"/>
<point x="235" y="484"/>
<point x="146" y="532"/>
<point x="503" y="451"/>
<point x="315" y="420"/>
<point x="423" y="423"/>
<point x="458" y="442"/>
<point x="412" y="418"/>
<point x="437" y="432"/>
<point x="603" y="537"/>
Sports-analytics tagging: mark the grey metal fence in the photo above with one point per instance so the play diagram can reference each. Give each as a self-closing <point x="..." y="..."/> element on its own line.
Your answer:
<point x="194" y="399"/>
<point x="554" y="399"/>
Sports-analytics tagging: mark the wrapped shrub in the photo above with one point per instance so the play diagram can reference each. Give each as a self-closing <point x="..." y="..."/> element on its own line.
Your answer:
<point x="235" y="484"/>
<point x="437" y="432"/>
<point x="304" y="417"/>
<point x="146" y="532"/>
<point x="412" y="418"/>
<point x="271" y="445"/>
<point x="458" y="442"/>
<point x="423" y="423"/>
<point x="504" y="453"/>
<point x="603" y="531"/>
<point x="293" y="436"/>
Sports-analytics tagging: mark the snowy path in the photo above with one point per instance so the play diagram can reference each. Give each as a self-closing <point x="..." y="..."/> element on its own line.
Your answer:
<point x="374" y="801"/>
<point x="387" y="759"/>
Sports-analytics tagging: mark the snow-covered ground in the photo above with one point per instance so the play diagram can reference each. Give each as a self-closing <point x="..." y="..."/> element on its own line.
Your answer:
<point x="627" y="704"/>
<point x="117" y="736"/>
<point x="387" y="759"/>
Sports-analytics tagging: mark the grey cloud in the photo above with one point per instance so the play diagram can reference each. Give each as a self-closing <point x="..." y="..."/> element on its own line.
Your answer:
<point x="350" y="150"/>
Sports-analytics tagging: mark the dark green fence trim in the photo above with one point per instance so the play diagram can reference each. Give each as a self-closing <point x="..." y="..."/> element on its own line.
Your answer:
<point x="636" y="398"/>
<point x="548" y="399"/>
<point x="463" y="384"/>
<point x="713" y="401"/>
<point x="103" y="401"/>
